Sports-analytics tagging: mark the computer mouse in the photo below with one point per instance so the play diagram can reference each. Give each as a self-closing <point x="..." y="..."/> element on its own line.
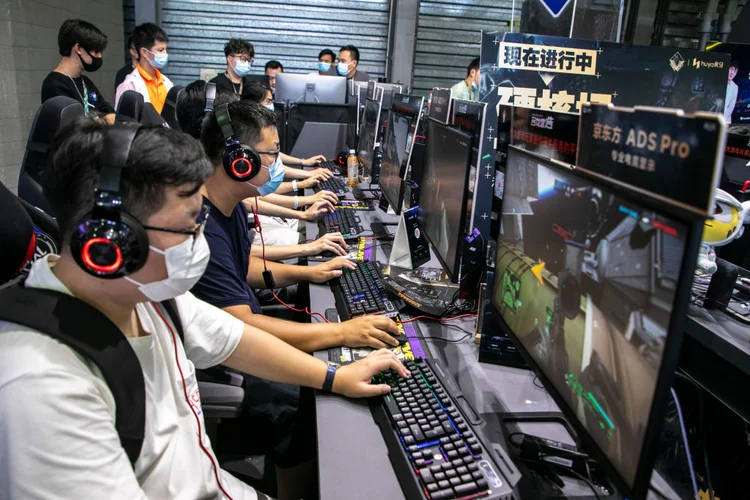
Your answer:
<point x="402" y="339"/>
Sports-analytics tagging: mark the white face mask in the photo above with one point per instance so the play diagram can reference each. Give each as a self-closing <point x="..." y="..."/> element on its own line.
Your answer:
<point x="185" y="266"/>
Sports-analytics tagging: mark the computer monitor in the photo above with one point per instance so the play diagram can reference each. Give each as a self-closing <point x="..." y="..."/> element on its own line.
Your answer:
<point x="592" y="283"/>
<point x="368" y="135"/>
<point x="440" y="105"/>
<point x="388" y="90"/>
<point x="469" y="117"/>
<point x="262" y="79"/>
<point x="310" y="88"/>
<point x="443" y="192"/>
<point x="397" y="144"/>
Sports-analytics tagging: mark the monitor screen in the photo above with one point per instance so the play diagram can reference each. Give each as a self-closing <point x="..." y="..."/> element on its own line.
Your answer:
<point x="737" y="100"/>
<point x="443" y="191"/>
<point x="397" y="144"/>
<point x="310" y="88"/>
<point x="586" y="281"/>
<point x="369" y="134"/>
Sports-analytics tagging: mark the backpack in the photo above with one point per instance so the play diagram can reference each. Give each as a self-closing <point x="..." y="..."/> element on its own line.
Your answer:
<point x="90" y="333"/>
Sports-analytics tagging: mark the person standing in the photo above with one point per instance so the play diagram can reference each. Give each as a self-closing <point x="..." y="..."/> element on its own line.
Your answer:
<point x="151" y="46"/>
<point x="81" y="45"/>
<point x="273" y="67"/>
<point x="239" y="54"/>
<point x="325" y="63"/>
<point x="348" y="64"/>
<point x="468" y="89"/>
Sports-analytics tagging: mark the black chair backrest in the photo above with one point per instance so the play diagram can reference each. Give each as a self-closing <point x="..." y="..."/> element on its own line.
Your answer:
<point x="52" y="115"/>
<point x="130" y="107"/>
<point x="169" y="111"/>
<point x="150" y="117"/>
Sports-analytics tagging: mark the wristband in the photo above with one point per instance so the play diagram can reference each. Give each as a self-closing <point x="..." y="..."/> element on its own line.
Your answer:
<point x="328" y="382"/>
<point x="296" y="202"/>
<point x="294" y="184"/>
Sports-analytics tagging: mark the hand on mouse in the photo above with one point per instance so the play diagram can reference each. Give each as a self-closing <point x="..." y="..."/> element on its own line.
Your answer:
<point x="369" y="331"/>
<point x="355" y="380"/>
<point x="333" y="242"/>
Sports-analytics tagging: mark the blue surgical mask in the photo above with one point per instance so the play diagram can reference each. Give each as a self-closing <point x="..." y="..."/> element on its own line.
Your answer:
<point x="474" y="86"/>
<point x="269" y="107"/>
<point x="159" y="60"/>
<point x="342" y="68"/>
<point x="242" y="68"/>
<point x="324" y="67"/>
<point x="276" y="169"/>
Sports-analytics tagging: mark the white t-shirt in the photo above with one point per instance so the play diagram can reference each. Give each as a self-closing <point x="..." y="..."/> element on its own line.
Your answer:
<point x="57" y="433"/>
<point x="731" y="101"/>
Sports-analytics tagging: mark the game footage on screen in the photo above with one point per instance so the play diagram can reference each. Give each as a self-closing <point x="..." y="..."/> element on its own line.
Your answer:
<point x="586" y="281"/>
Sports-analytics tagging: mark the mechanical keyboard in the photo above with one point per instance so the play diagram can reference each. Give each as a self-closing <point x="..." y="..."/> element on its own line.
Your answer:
<point x="360" y="291"/>
<point x="332" y="165"/>
<point x="344" y="221"/>
<point x="336" y="185"/>
<point x="436" y="451"/>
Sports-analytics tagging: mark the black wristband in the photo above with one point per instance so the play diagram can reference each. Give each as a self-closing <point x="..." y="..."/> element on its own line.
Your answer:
<point x="328" y="382"/>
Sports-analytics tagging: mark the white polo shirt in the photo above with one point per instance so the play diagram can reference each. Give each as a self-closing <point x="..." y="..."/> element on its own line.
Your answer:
<point x="57" y="414"/>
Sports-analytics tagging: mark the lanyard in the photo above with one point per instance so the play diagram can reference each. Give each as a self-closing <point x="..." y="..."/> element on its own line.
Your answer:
<point x="84" y="97"/>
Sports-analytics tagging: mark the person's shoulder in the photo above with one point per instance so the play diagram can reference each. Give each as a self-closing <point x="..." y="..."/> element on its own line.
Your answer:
<point x="219" y="79"/>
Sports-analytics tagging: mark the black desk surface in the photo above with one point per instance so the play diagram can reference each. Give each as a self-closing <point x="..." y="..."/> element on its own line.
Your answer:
<point x="352" y="454"/>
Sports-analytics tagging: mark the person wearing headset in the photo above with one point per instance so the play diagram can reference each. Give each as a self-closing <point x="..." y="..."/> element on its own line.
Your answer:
<point x="281" y="235"/>
<point x="57" y="413"/>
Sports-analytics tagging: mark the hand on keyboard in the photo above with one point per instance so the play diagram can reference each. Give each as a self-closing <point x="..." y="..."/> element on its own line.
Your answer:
<point x="317" y="210"/>
<point x="332" y="242"/>
<point x="354" y="380"/>
<point x="313" y="160"/>
<point x="321" y="173"/>
<point x="325" y="196"/>
<point x="329" y="270"/>
<point x="370" y="331"/>
<point x="308" y="183"/>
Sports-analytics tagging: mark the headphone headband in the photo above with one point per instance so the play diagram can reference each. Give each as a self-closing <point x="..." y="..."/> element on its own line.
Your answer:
<point x="241" y="162"/>
<point x="225" y="122"/>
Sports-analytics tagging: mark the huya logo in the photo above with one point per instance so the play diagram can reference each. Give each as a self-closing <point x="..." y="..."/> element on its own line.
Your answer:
<point x="697" y="63"/>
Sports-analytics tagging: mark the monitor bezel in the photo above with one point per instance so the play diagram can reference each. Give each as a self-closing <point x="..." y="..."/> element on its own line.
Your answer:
<point x="367" y="167"/>
<point x="449" y="112"/>
<point x="310" y="78"/>
<point x="675" y="332"/>
<point x="403" y="168"/>
<point x="454" y="271"/>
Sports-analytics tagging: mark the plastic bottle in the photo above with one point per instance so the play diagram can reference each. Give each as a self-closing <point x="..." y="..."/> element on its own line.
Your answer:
<point x="352" y="168"/>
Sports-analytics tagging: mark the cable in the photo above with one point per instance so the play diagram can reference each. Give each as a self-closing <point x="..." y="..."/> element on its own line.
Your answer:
<point x="580" y="476"/>
<point x="586" y="480"/>
<point x="687" y="447"/>
<point x="192" y="409"/>
<point x="536" y="379"/>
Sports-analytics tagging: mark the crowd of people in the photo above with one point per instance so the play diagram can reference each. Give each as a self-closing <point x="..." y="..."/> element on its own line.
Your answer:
<point x="190" y="195"/>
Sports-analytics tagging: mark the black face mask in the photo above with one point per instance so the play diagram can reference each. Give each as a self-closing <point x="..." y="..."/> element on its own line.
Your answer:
<point x="96" y="62"/>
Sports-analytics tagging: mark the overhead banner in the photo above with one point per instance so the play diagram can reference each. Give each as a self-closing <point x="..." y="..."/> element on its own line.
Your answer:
<point x="559" y="74"/>
<point x="662" y="152"/>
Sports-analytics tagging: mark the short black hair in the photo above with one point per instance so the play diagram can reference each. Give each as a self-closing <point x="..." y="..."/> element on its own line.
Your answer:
<point x="238" y="46"/>
<point x="159" y="158"/>
<point x="327" y="52"/>
<point x="354" y="51"/>
<point x="146" y="35"/>
<point x="734" y="63"/>
<point x="255" y="92"/>
<point x="248" y="121"/>
<point x="75" y="31"/>
<point x="191" y="106"/>
<point x="474" y="64"/>
<point x="130" y="45"/>
<point x="273" y="64"/>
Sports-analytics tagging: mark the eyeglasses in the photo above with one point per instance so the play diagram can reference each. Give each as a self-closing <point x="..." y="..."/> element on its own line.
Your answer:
<point x="200" y="222"/>
<point x="243" y="58"/>
<point x="275" y="154"/>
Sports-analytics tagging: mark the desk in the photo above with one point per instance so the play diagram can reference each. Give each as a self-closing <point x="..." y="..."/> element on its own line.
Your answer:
<point x="352" y="454"/>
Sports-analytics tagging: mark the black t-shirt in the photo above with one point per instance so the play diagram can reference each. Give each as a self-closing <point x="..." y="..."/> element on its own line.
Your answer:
<point x="121" y="74"/>
<point x="223" y="83"/>
<point x="58" y="84"/>
<point x="224" y="284"/>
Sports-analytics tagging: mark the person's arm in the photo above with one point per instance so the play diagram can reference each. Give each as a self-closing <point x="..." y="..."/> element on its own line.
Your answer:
<point x="289" y="201"/>
<point x="54" y="86"/>
<point x="286" y="274"/>
<point x="287" y="187"/>
<point x="300" y="162"/>
<point x="333" y="242"/>
<point x="101" y="104"/>
<point x="272" y="209"/>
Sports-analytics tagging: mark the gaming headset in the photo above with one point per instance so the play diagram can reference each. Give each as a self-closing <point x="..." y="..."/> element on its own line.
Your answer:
<point x="110" y="243"/>
<point x="241" y="162"/>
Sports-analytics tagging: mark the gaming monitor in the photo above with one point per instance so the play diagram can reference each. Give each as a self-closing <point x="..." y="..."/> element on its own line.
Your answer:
<point x="592" y="284"/>
<point x="310" y="88"/>
<point x="368" y="135"/>
<point x="469" y="117"/>
<point x="388" y="90"/>
<point x="443" y="192"/>
<point x="397" y="145"/>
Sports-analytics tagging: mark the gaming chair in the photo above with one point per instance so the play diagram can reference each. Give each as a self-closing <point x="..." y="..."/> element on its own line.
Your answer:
<point x="169" y="111"/>
<point x="52" y="115"/>
<point x="130" y="107"/>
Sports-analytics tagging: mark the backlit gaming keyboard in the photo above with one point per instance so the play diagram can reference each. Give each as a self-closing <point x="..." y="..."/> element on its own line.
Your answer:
<point x="344" y="221"/>
<point x="360" y="291"/>
<point x="432" y="445"/>
<point x="336" y="185"/>
<point x="332" y="165"/>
